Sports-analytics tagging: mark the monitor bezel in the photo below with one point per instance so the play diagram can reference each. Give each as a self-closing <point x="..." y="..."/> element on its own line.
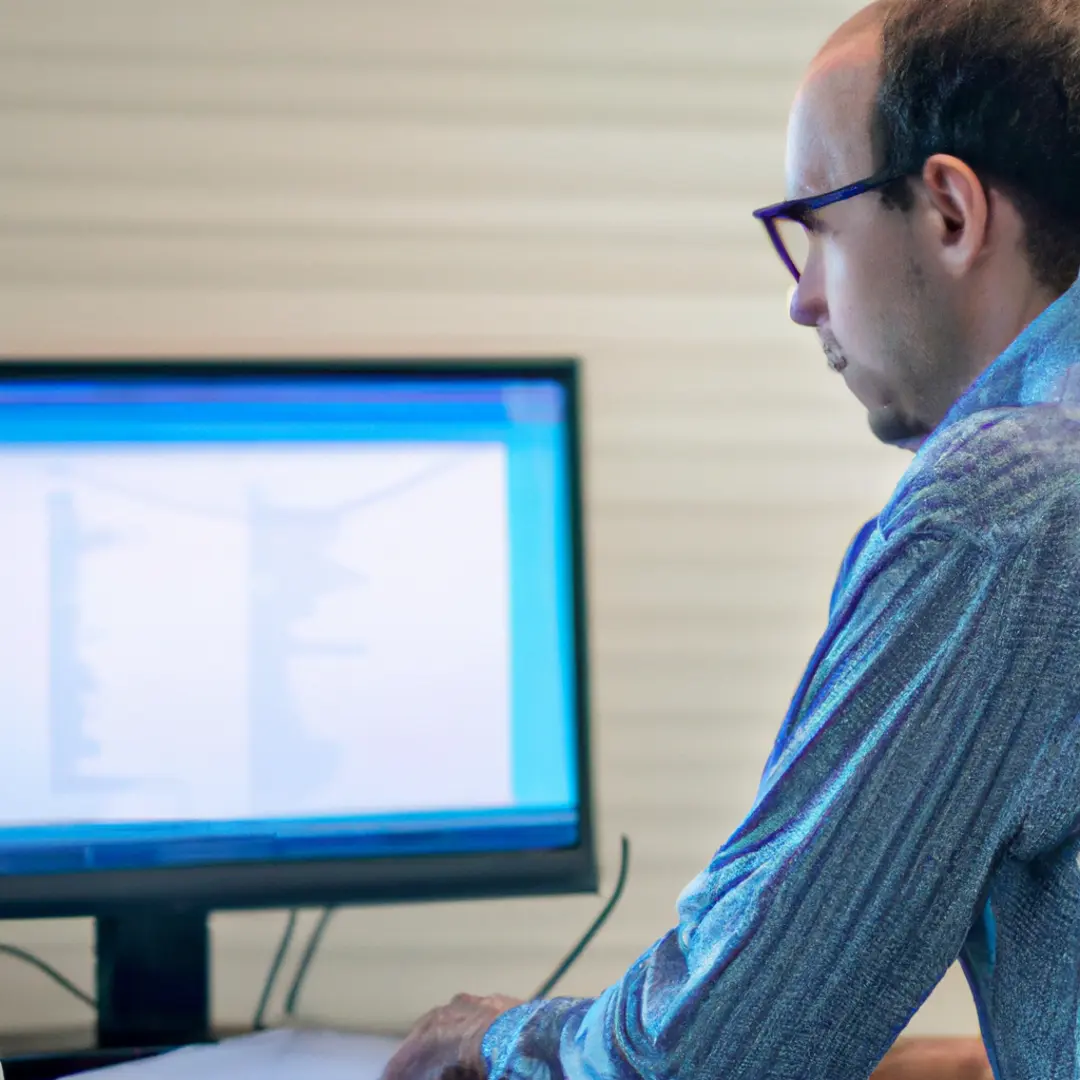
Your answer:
<point x="367" y="880"/>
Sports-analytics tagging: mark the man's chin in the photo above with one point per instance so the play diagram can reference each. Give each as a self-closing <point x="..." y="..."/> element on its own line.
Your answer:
<point x="892" y="428"/>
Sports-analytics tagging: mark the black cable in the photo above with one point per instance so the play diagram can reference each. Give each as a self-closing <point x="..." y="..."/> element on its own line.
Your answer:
<point x="315" y="938"/>
<point x="572" y="956"/>
<point x="275" y="968"/>
<point x="48" y="969"/>
<point x="293" y="995"/>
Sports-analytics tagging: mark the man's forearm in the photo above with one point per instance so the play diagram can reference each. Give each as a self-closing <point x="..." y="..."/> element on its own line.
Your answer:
<point x="935" y="1059"/>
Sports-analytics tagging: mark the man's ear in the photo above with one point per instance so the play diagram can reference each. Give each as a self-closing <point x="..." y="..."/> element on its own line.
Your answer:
<point x="960" y="211"/>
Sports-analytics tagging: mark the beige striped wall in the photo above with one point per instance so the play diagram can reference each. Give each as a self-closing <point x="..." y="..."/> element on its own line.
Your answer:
<point x="487" y="177"/>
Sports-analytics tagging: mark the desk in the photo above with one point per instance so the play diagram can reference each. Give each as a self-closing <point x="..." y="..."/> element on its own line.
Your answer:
<point x="277" y="1054"/>
<point x="285" y="1054"/>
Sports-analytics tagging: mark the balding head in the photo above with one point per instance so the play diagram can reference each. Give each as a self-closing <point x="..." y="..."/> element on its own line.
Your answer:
<point x="832" y="116"/>
<point x="829" y="140"/>
<point x="865" y="26"/>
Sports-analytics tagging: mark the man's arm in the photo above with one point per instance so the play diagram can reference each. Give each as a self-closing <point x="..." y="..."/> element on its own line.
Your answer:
<point x="446" y="1045"/>
<point x="899" y="782"/>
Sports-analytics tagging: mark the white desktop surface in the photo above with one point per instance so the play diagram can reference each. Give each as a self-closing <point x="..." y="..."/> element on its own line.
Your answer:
<point x="268" y="1055"/>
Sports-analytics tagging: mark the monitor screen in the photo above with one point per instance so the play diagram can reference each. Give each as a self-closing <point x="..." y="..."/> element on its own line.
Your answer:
<point x="282" y="615"/>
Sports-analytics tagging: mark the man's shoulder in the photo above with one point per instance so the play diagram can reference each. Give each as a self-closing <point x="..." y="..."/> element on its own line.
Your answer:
<point x="995" y="476"/>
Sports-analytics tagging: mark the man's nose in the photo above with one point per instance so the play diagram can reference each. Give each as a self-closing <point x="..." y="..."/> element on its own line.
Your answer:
<point x="805" y="306"/>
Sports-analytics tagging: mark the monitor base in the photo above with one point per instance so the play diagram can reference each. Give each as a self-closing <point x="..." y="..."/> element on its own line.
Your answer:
<point x="153" y="978"/>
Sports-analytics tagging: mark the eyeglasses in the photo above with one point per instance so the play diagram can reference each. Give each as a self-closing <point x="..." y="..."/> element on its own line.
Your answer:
<point x="790" y="224"/>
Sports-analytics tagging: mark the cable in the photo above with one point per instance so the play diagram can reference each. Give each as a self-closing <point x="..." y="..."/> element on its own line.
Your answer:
<point x="293" y="995"/>
<point x="275" y="968"/>
<point x="315" y="938"/>
<point x="572" y="956"/>
<point x="48" y="969"/>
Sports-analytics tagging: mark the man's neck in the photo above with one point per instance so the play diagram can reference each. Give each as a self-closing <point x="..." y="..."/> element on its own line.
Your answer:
<point x="1006" y="308"/>
<point x="993" y="326"/>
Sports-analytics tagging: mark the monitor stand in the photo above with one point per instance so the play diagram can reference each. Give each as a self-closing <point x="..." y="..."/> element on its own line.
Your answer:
<point x="153" y="993"/>
<point x="153" y="978"/>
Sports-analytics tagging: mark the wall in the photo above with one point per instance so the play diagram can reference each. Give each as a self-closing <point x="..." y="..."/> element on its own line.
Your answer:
<point x="488" y="177"/>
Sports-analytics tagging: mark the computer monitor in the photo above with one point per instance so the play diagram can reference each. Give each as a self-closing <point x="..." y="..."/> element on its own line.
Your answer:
<point x="275" y="634"/>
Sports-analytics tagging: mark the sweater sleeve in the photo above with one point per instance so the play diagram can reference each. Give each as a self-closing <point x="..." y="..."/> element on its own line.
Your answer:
<point x="824" y="922"/>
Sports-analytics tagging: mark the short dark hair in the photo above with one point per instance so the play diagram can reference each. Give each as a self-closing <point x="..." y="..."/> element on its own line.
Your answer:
<point x="995" y="83"/>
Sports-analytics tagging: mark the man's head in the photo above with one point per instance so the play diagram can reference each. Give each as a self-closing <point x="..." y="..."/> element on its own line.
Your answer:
<point x="916" y="288"/>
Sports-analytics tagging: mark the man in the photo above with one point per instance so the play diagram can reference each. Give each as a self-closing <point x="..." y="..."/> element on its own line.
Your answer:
<point x="922" y="801"/>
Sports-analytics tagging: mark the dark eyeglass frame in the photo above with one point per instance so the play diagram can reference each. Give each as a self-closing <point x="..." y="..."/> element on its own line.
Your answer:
<point x="798" y="210"/>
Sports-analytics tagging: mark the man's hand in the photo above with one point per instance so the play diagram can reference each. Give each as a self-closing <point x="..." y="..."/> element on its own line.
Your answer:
<point x="448" y="1037"/>
<point x="935" y="1059"/>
